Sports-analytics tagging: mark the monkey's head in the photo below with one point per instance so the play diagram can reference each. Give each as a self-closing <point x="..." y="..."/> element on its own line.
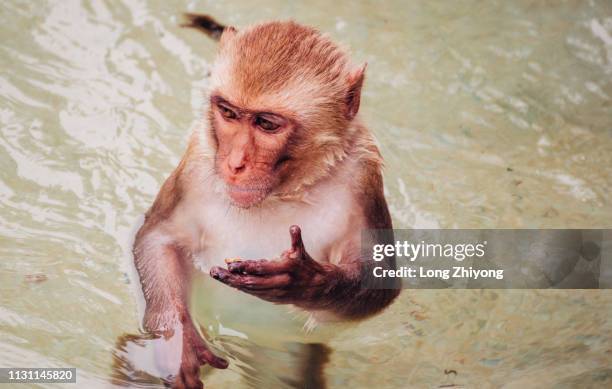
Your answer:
<point x="282" y="103"/>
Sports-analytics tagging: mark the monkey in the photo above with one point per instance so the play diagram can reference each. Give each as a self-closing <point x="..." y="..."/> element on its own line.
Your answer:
<point x="280" y="148"/>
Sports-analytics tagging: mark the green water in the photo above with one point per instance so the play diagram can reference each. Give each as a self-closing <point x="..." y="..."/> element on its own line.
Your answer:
<point x="489" y="114"/>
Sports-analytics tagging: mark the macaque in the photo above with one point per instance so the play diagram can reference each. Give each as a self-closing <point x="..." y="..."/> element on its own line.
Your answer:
<point x="282" y="175"/>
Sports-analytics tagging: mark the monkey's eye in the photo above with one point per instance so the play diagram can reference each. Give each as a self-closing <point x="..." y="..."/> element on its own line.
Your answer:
<point x="226" y="112"/>
<point x="265" y="124"/>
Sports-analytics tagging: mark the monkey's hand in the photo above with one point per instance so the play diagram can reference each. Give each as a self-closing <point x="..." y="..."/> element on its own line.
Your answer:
<point x="195" y="353"/>
<point x="294" y="279"/>
<point x="180" y="352"/>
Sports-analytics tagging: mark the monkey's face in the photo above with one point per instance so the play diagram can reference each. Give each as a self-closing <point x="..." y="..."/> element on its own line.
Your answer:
<point x="283" y="97"/>
<point x="251" y="150"/>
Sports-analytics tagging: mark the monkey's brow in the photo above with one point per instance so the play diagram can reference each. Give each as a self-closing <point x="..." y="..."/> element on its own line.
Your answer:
<point x="216" y="99"/>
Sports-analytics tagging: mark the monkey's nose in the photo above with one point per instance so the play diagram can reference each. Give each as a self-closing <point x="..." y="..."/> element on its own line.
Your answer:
<point x="236" y="163"/>
<point x="236" y="168"/>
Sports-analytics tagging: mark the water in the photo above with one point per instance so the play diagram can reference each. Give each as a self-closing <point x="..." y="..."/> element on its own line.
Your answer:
<point x="495" y="114"/>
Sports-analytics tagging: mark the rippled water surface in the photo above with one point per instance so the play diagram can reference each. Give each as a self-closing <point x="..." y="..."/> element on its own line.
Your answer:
<point x="489" y="114"/>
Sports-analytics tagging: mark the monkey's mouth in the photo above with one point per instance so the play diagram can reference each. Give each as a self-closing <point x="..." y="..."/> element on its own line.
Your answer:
<point x="246" y="196"/>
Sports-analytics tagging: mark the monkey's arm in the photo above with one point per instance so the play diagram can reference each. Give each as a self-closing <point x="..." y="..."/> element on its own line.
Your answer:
<point x="165" y="269"/>
<point x="165" y="276"/>
<point x="164" y="280"/>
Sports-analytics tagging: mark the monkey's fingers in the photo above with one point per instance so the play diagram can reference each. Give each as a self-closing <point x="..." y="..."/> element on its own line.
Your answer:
<point x="297" y="245"/>
<point x="260" y="267"/>
<point x="189" y="378"/>
<point x="207" y="356"/>
<point x="250" y="282"/>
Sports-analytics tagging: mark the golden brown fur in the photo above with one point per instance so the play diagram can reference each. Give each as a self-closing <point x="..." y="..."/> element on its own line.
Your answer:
<point x="309" y="79"/>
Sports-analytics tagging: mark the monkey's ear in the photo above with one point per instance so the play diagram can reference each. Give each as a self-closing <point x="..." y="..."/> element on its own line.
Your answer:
<point x="353" y="96"/>
<point x="228" y="33"/>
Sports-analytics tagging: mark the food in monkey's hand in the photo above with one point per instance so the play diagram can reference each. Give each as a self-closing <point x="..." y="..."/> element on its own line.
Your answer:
<point x="238" y="259"/>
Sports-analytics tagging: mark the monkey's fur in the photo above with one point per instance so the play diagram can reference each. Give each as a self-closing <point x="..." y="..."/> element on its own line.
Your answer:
<point x="282" y="146"/>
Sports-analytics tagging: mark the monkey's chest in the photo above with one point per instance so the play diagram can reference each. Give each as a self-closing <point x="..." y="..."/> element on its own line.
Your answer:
<point x="265" y="235"/>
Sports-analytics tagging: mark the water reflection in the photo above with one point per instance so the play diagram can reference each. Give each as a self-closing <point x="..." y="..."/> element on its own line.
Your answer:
<point x="286" y="365"/>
